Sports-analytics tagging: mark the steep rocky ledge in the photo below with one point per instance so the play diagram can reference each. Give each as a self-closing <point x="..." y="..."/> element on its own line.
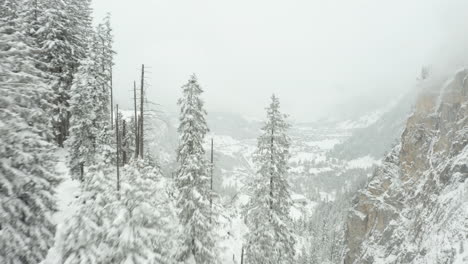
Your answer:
<point x="415" y="207"/>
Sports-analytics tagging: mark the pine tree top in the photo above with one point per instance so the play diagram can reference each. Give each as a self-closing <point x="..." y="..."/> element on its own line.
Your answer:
<point x="193" y="126"/>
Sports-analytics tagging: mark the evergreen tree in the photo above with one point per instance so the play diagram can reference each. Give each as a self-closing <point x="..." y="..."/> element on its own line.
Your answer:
<point x="32" y="13"/>
<point x="192" y="181"/>
<point x="80" y="27"/>
<point x="56" y="42"/>
<point x="140" y="232"/>
<point x="89" y="107"/>
<point x="128" y="226"/>
<point x="326" y="229"/>
<point x="62" y="30"/>
<point x="27" y="175"/>
<point x="270" y="239"/>
<point x="85" y="122"/>
<point x="9" y="9"/>
<point x="105" y="39"/>
<point x="82" y="240"/>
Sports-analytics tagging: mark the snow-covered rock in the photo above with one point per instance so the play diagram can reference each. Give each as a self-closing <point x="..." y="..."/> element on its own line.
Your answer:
<point x="415" y="207"/>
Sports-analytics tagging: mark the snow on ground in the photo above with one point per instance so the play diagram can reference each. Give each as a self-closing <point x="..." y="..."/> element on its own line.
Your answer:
<point x="231" y="234"/>
<point x="319" y="170"/>
<point x="302" y="207"/>
<point x="325" y="144"/>
<point x="363" y="162"/>
<point x="226" y="144"/>
<point x="66" y="193"/>
<point x="327" y="197"/>
<point x="234" y="179"/>
<point x="232" y="228"/>
<point x="307" y="156"/>
<point x="368" y="119"/>
<point x="298" y="169"/>
<point x="295" y="213"/>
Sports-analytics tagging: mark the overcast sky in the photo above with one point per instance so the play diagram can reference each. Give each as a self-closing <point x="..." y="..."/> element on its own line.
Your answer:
<point x="321" y="57"/>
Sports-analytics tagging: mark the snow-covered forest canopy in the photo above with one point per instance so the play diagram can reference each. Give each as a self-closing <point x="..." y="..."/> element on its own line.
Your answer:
<point x="95" y="173"/>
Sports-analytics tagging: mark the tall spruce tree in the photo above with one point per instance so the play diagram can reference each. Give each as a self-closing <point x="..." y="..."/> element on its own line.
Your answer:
<point x="33" y="12"/>
<point x="140" y="232"/>
<point x="89" y="107"/>
<point x="270" y="239"/>
<point x="62" y="29"/>
<point x="85" y="121"/>
<point x="192" y="181"/>
<point x="27" y="174"/>
<point x="105" y="38"/>
<point x="56" y="42"/>
<point x="83" y="237"/>
<point x="80" y="27"/>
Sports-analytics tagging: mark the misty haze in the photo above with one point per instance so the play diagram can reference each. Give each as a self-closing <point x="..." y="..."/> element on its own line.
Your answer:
<point x="233" y="132"/>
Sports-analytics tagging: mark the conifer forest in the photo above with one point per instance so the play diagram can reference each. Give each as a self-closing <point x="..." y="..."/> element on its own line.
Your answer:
<point x="233" y="132"/>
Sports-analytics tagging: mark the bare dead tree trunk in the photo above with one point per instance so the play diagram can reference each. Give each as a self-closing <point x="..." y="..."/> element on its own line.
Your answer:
<point x="66" y="130"/>
<point x="60" y="138"/>
<point x="211" y="181"/>
<point x="118" y="146"/>
<point x="81" y="171"/>
<point x="35" y="10"/>
<point x="137" y="144"/>
<point x="271" y="169"/>
<point x="142" y="95"/>
<point x="242" y="255"/>
<point x="124" y="143"/>
<point x="111" y="100"/>
<point x="140" y="131"/>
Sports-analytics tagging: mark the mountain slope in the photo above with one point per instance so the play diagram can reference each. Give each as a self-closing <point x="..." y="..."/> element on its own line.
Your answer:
<point x="415" y="207"/>
<point x="377" y="138"/>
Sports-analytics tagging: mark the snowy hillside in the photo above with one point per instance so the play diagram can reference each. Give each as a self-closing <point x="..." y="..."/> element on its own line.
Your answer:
<point x="315" y="165"/>
<point x="381" y="134"/>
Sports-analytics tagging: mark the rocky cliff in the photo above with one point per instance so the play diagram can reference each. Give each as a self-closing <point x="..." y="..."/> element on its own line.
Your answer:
<point x="415" y="207"/>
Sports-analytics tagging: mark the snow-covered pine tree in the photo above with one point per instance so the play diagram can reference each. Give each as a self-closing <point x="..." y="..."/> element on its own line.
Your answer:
<point x="326" y="229"/>
<point x="84" y="122"/>
<point x="33" y="11"/>
<point x="61" y="29"/>
<point x="270" y="239"/>
<point x="104" y="33"/>
<point x="56" y="42"/>
<point x="102" y="53"/>
<point x="89" y="107"/>
<point x="27" y="175"/>
<point x="144" y="218"/>
<point x="80" y="27"/>
<point x="192" y="180"/>
<point x="82" y="240"/>
<point x="9" y="9"/>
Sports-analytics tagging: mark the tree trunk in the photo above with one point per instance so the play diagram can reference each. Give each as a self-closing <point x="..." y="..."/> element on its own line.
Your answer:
<point x="271" y="169"/>
<point x="242" y="255"/>
<point x="124" y="143"/>
<point x="118" y="146"/>
<point x="81" y="172"/>
<point x="137" y="143"/>
<point x="211" y="181"/>
<point x="142" y="95"/>
<point x="111" y="100"/>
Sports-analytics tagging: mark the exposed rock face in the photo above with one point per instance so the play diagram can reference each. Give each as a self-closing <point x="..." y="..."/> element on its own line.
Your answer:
<point x="415" y="207"/>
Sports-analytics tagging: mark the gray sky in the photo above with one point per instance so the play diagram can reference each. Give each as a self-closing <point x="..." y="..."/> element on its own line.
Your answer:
<point x="321" y="57"/>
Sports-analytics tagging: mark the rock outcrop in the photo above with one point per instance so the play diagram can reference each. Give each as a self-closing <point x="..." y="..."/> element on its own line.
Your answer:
<point x="415" y="207"/>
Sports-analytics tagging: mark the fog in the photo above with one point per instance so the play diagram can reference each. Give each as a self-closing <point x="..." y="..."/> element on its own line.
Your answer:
<point x="324" y="59"/>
